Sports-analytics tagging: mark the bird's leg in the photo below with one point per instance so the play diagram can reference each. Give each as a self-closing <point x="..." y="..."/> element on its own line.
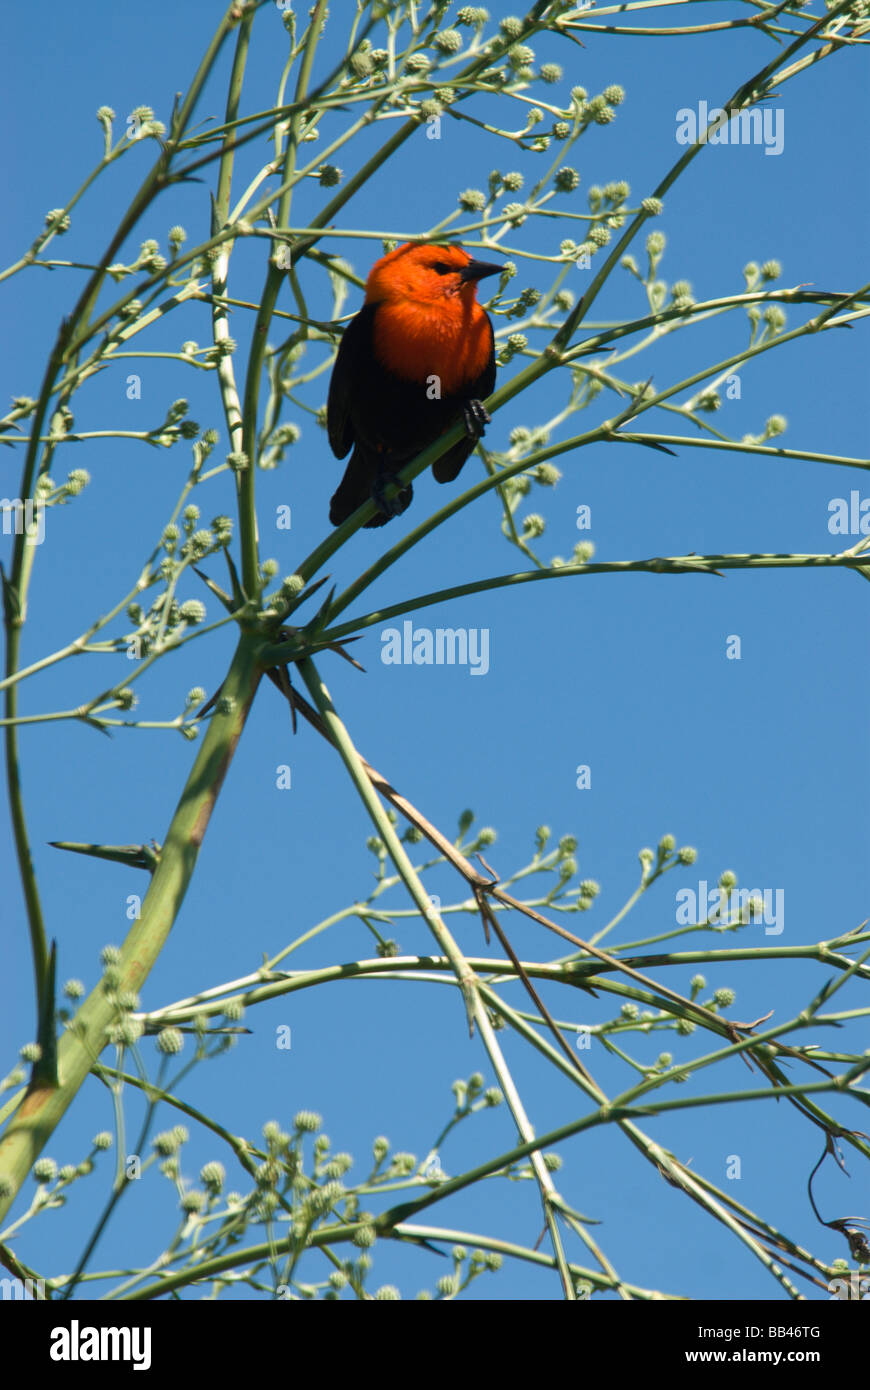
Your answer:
<point x="476" y="418"/>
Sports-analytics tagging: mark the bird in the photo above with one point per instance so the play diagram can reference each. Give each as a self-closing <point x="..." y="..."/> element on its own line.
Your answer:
<point x="418" y="357"/>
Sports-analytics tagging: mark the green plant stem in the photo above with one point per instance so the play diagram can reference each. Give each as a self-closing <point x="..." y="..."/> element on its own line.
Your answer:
<point x="466" y="978"/>
<point x="42" y="1109"/>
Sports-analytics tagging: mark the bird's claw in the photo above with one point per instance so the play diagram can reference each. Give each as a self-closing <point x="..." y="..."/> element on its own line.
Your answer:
<point x="389" y="506"/>
<point x="476" y="417"/>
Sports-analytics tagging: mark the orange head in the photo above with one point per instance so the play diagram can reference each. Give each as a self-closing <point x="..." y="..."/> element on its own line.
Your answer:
<point x="428" y="275"/>
<point x="428" y="318"/>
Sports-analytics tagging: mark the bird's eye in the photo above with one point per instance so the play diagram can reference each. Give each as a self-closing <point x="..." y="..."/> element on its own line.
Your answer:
<point x="442" y="268"/>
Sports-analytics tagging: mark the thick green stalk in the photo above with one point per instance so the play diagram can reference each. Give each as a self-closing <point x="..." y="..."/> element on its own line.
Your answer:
<point x="42" y="1108"/>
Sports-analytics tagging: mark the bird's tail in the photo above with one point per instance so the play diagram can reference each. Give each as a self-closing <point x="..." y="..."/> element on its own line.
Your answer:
<point x="361" y="483"/>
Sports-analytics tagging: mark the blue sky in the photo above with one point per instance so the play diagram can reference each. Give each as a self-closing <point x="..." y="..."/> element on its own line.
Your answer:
<point x="757" y="763"/>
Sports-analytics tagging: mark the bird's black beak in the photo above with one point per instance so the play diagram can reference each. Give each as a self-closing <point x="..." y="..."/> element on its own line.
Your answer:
<point x="478" y="270"/>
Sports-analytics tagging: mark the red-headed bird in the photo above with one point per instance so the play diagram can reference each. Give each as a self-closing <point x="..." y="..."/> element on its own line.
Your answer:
<point x="417" y="357"/>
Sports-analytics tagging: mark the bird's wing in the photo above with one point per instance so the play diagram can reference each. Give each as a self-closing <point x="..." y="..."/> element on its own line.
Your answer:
<point x="354" y="351"/>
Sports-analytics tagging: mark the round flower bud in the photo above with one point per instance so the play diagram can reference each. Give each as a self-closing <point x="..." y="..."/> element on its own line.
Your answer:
<point x="291" y="585"/>
<point x="418" y="62"/>
<point x="724" y="997"/>
<point x="513" y="181"/>
<point x="653" y="206"/>
<point x="698" y="982"/>
<point x="73" y="989"/>
<point x="771" y="270"/>
<point x="776" y="424"/>
<point x="599" y="236"/>
<point x="329" y="175"/>
<point x="77" y="479"/>
<point x="728" y="880"/>
<point x="364" y="1237"/>
<point x="170" y="1041"/>
<point x="128" y="1032"/>
<point x="472" y="15"/>
<point x="110" y="955"/>
<point x="192" y="611"/>
<point x="547" y="475"/>
<point x="103" y="1140"/>
<point x="338" y="1166"/>
<point x="687" y="855"/>
<point x="472" y="200"/>
<point x="566" y="180"/>
<point x="655" y="243"/>
<point x="45" y="1170"/>
<point x="551" y="72"/>
<point x="666" y="844"/>
<point x="57" y="221"/>
<point x="493" y="1096"/>
<point x="561" y="130"/>
<point x="448" y="41"/>
<point x="308" y="1121"/>
<point x="629" y="1011"/>
<point x="212" y="1176"/>
<point x="388" y="1293"/>
<point x="774" y="316"/>
<point x="193" y="1202"/>
<point x="511" y="26"/>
